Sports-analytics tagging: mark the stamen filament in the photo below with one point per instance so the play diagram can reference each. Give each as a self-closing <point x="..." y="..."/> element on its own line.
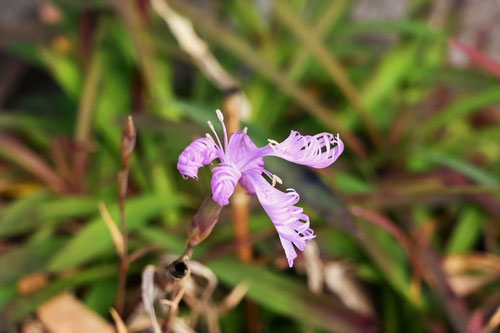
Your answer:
<point x="213" y="130"/>
<point x="274" y="142"/>
<point x="208" y="136"/>
<point x="221" y="119"/>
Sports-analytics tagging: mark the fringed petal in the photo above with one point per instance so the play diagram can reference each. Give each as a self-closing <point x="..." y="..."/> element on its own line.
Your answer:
<point x="224" y="180"/>
<point x="318" y="151"/>
<point x="199" y="153"/>
<point x="289" y="220"/>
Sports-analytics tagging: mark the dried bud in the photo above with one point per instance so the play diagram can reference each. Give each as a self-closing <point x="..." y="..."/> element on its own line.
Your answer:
<point x="171" y="275"/>
<point x="128" y="142"/>
<point x="178" y="269"/>
<point x="204" y="221"/>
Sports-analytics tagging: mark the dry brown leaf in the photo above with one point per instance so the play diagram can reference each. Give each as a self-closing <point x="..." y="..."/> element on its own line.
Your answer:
<point x="180" y="326"/>
<point x="192" y="44"/>
<point x="234" y="298"/>
<point x="203" y="271"/>
<point x="467" y="273"/>
<point x="32" y="326"/>
<point x="494" y="321"/>
<point x="314" y="267"/>
<point x="31" y="283"/>
<point x="339" y="281"/>
<point x="460" y="263"/>
<point x="113" y="229"/>
<point x="148" y="296"/>
<point x="65" y="313"/>
<point x="139" y="320"/>
<point x="120" y="325"/>
<point x="464" y="285"/>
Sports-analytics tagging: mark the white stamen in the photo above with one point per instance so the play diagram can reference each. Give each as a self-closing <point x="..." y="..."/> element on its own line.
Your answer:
<point x="219" y="115"/>
<point x="274" y="149"/>
<point x="274" y="142"/>
<point x="211" y="125"/>
<point x="276" y="179"/>
<point x="210" y="138"/>
<point x="245" y="130"/>
<point x="215" y="133"/>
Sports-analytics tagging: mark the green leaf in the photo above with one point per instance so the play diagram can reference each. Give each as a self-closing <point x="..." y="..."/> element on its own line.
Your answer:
<point x="390" y="72"/>
<point x="27" y="259"/>
<point x="94" y="239"/>
<point x="467" y="232"/>
<point x="165" y="240"/>
<point x="101" y="296"/>
<point x="65" y="70"/>
<point x="340" y="244"/>
<point x="388" y="257"/>
<point x="462" y="108"/>
<point x="288" y="297"/>
<point x="415" y="28"/>
<point x="68" y="207"/>
<point x="475" y="173"/>
<point x="23" y="306"/>
<point x="7" y="293"/>
<point x="19" y="215"/>
<point x="37" y="209"/>
<point x="349" y="183"/>
<point x="32" y="127"/>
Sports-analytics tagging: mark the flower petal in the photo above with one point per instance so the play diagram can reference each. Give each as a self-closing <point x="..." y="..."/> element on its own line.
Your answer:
<point x="224" y="180"/>
<point x="289" y="220"/>
<point x="247" y="156"/>
<point x="318" y="151"/>
<point x="199" y="153"/>
<point x="244" y="153"/>
<point x="247" y="184"/>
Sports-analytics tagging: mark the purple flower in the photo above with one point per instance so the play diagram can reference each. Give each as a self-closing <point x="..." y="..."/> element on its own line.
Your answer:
<point x="241" y="161"/>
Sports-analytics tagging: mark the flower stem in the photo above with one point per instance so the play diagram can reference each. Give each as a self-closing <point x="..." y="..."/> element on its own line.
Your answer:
<point x="127" y="147"/>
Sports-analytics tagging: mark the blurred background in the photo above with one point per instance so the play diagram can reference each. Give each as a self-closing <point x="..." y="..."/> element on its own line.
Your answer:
<point x="407" y="220"/>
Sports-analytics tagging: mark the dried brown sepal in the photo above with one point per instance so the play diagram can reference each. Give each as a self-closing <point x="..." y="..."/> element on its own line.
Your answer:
<point x="204" y="221"/>
<point x="233" y="299"/>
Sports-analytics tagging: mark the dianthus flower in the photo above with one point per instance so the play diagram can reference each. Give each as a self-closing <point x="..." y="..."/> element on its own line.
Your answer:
<point x="241" y="161"/>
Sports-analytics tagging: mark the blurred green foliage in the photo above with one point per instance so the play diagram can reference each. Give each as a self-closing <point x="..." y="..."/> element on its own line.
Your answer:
<point x="434" y="175"/>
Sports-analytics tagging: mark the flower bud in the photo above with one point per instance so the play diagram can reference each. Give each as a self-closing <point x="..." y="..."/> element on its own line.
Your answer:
<point x="204" y="221"/>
